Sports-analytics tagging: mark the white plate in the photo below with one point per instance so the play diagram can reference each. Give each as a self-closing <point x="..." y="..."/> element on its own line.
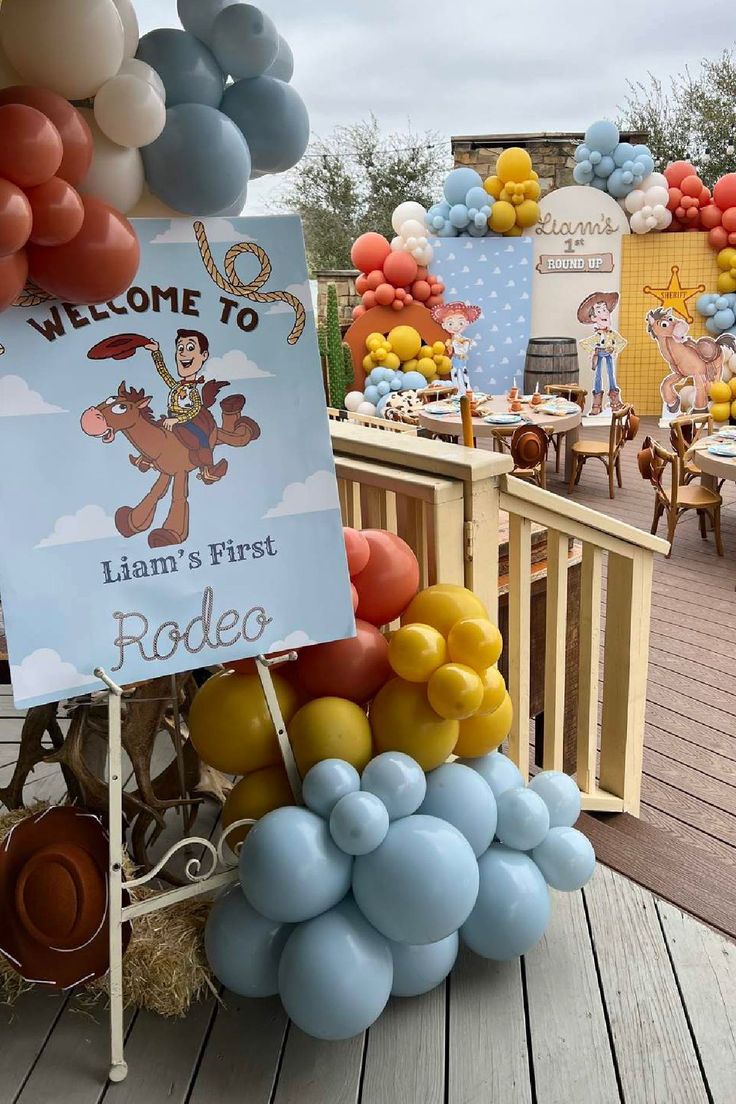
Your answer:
<point x="503" y="419"/>
<point x="729" y="431"/>
<point x="723" y="450"/>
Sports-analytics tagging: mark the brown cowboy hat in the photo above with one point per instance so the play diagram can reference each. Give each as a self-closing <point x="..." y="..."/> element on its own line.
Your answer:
<point x="119" y="347"/>
<point x="54" y="899"/>
<point x="610" y="298"/>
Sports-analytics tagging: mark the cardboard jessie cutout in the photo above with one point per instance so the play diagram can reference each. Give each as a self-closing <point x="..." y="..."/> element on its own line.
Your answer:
<point x="603" y="346"/>
<point x="455" y="318"/>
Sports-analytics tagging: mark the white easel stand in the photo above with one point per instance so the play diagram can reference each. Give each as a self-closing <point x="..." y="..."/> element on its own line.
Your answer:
<point x="202" y="884"/>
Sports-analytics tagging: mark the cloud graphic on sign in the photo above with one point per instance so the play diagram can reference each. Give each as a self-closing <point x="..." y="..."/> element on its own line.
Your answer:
<point x="290" y="643"/>
<point x="89" y="523"/>
<point x="318" y="492"/>
<point x="181" y="232"/>
<point x="303" y="293"/>
<point x="235" y="365"/>
<point x="17" y="400"/>
<point x="45" y="672"/>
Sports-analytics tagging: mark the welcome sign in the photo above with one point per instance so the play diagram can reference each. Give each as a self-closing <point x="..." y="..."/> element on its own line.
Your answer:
<point x="168" y="492"/>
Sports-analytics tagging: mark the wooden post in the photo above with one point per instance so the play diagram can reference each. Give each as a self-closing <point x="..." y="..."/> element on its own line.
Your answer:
<point x="467" y="418"/>
<point x="590" y="642"/>
<point x="554" y="652"/>
<point x="520" y="545"/>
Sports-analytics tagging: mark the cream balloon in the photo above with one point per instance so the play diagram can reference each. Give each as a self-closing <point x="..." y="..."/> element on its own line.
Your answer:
<point x="116" y="174"/>
<point x="8" y="75"/>
<point x="134" y="67"/>
<point x="129" y="111"/>
<point x="398" y="245"/>
<point x="129" y="19"/>
<point x="406" y="211"/>
<point x="150" y="206"/>
<point x="412" y="228"/>
<point x="69" y="46"/>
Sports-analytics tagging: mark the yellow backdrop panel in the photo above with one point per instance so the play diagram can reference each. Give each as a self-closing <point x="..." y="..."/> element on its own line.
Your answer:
<point x="669" y="270"/>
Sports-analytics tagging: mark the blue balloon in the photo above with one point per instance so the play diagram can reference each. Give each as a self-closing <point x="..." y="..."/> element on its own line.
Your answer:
<point x="359" y="823"/>
<point x="383" y="388"/>
<point x="327" y="782"/>
<point x="602" y="136"/>
<point x="595" y="157"/>
<point x="198" y="16"/>
<point x="604" y="167"/>
<point x="623" y="152"/>
<point x="448" y="231"/>
<point x="421" y="968"/>
<point x="335" y="974"/>
<point x="724" y="319"/>
<point x="706" y="305"/>
<point x="200" y="163"/>
<point x="477" y="197"/>
<point x="583" y="173"/>
<point x="711" y="327"/>
<point x="479" y="228"/>
<point x="381" y="405"/>
<point x="645" y="164"/>
<point x="513" y="906"/>
<point x="420" y="885"/>
<point x="523" y="819"/>
<point x="396" y="383"/>
<point x="187" y="67"/>
<point x="283" y="67"/>
<point x="582" y="153"/>
<point x="463" y="798"/>
<point x="723" y="302"/>
<point x="396" y="778"/>
<point x="459" y="216"/>
<point x="561" y="795"/>
<point x="372" y="394"/>
<point x="459" y="182"/>
<point x="413" y="381"/>
<point x="498" y="770"/>
<point x="617" y="186"/>
<point x="243" y="948"/>
<point x="273" y="118"/>
<point x="244" y="41"/>
<point x="599" y="183"/>
<point x="566" y="859"/>
<point x="290" y="869"/>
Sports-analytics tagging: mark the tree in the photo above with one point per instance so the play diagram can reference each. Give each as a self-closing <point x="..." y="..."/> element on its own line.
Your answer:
<point x="351" y="182"/>
<point x="691" y="118"/>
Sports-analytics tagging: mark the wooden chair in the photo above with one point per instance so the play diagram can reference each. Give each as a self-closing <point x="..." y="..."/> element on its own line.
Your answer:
<point x="573" y="393"/>
<point x="684" y="432"/>
<point x="528" y="449"/>
<point x="653" y="464"/>
<point x="624" y="424"/>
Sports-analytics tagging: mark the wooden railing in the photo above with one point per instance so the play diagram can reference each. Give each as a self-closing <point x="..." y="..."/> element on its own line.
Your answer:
<point x="449" y="503"/>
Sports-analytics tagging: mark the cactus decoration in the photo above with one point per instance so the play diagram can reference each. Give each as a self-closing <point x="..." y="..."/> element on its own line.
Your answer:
<point x="335" y="352"/>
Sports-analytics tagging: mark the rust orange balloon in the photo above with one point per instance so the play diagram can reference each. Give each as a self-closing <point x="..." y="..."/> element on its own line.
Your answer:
<point x="58" y="212"/>
<point x="16" y="219"/>
<point x="31" y="147"/>
<point x="76" y="137"/>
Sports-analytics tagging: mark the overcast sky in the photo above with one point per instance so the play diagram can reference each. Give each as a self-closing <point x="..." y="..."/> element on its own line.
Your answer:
<point x="479" y="66"/>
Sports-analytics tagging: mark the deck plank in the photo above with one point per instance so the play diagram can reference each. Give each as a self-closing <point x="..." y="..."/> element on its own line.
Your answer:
<point x="318" y="1072"/>
<point x="242" y="1052"/>
<point x="405" y="1053"/>
<point x="654" y="1050"/>
<point x="488" y="1056"/>
<point x="571" y="1051"/>
<point x="705" y="965"/>
<point x="25" y="1028"/>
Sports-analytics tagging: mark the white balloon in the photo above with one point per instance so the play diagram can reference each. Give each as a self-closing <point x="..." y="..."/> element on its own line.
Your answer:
<point x="663" y="216"/>
<point x="131" y="30"/>
<point x="150" y="206"/>
<point x="116" y="174"/>
<point x="129" y="111"/>
<point x="639" y="223"/>
<point x="367" y="408"/>
<point x="406" y="211"/>
<point x="398" y="245"/>
<point x="134" y="67"/>
<point x="423" y="255"/>
<point x="655" y="180"/>
<point x="634" y="201"/>
<point x="656" y="196"/>
<point x="412" y="228"/>
<point x="8" y="75"/>
<point x="353" y="399"/>
<point x="69" y="46"/>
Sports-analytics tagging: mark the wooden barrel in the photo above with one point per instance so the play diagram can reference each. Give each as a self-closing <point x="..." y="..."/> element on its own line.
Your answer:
<point x="550" y="360"/>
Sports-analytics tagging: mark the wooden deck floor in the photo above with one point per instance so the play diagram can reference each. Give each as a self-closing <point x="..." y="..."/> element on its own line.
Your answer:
<point x="626" y="999"/>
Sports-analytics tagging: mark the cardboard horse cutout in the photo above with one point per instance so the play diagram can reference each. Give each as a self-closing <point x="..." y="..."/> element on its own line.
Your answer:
<point x="700" y="361"/>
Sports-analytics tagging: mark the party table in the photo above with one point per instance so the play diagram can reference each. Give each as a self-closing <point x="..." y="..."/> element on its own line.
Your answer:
<point x="450" y="425"/>
<point x="714" y="468"/>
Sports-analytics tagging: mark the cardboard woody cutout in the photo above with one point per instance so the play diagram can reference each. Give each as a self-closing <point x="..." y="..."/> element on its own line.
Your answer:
<point x="604" y="346"/>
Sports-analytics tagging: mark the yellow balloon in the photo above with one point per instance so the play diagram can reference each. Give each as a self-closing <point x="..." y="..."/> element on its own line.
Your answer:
<point x="403" y="720"/>
<point x="485" y="732"/>
<point x="368" y="364"/>
<point x="330" y="728"/>
<point x="427" y="367"/>
<point x="502" y="217"/>
<point x="255" y="795"/>
<point x="374" y="341"/>
<point x="476" y="642"/>
<point x="392" y="361"/>
<point x="410" y="365"/>
<point x="732" y="385"/>
<point x="720" y="412"/>
<point x="442" y="605"/>
<point x="230" y="726"/>
<point x="514" y="164"/>
<point x="444" y="366"/>
<point x="426" y="351"/>
<point x="494" y="186"/>
<point x="725" y="283"/>
<point x="380" y="355"/>
<point x="514" y="232"/>
<point x="533" y="175"/>
<point x="719" y="391"/>
<point x="532" y="190"/>
<point x="416" y="651"/>
<point x="527" y="213"/>
<point x="405" y="342"/>
<point x="455" y="691"/>
<point x="726" y="258"/>
<point x="494" y="690"/>
<point x="733" y="410"/>
<point x="439" y="348"/>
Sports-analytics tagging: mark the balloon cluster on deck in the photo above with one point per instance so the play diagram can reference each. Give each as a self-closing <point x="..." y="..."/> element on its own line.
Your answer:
<point x="165" y="113"/>
<point x="505" y="203"/>
<point x="391" y="277"/>
<point x="648" y="205"/>
<point x="605" y="162"/>
<point x="397" y="362"/>
<point x="367" y="891"/>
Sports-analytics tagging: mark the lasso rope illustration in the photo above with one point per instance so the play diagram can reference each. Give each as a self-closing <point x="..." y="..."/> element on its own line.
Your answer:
<point x="32" y="296"/>
<point x="234" y="286"/>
